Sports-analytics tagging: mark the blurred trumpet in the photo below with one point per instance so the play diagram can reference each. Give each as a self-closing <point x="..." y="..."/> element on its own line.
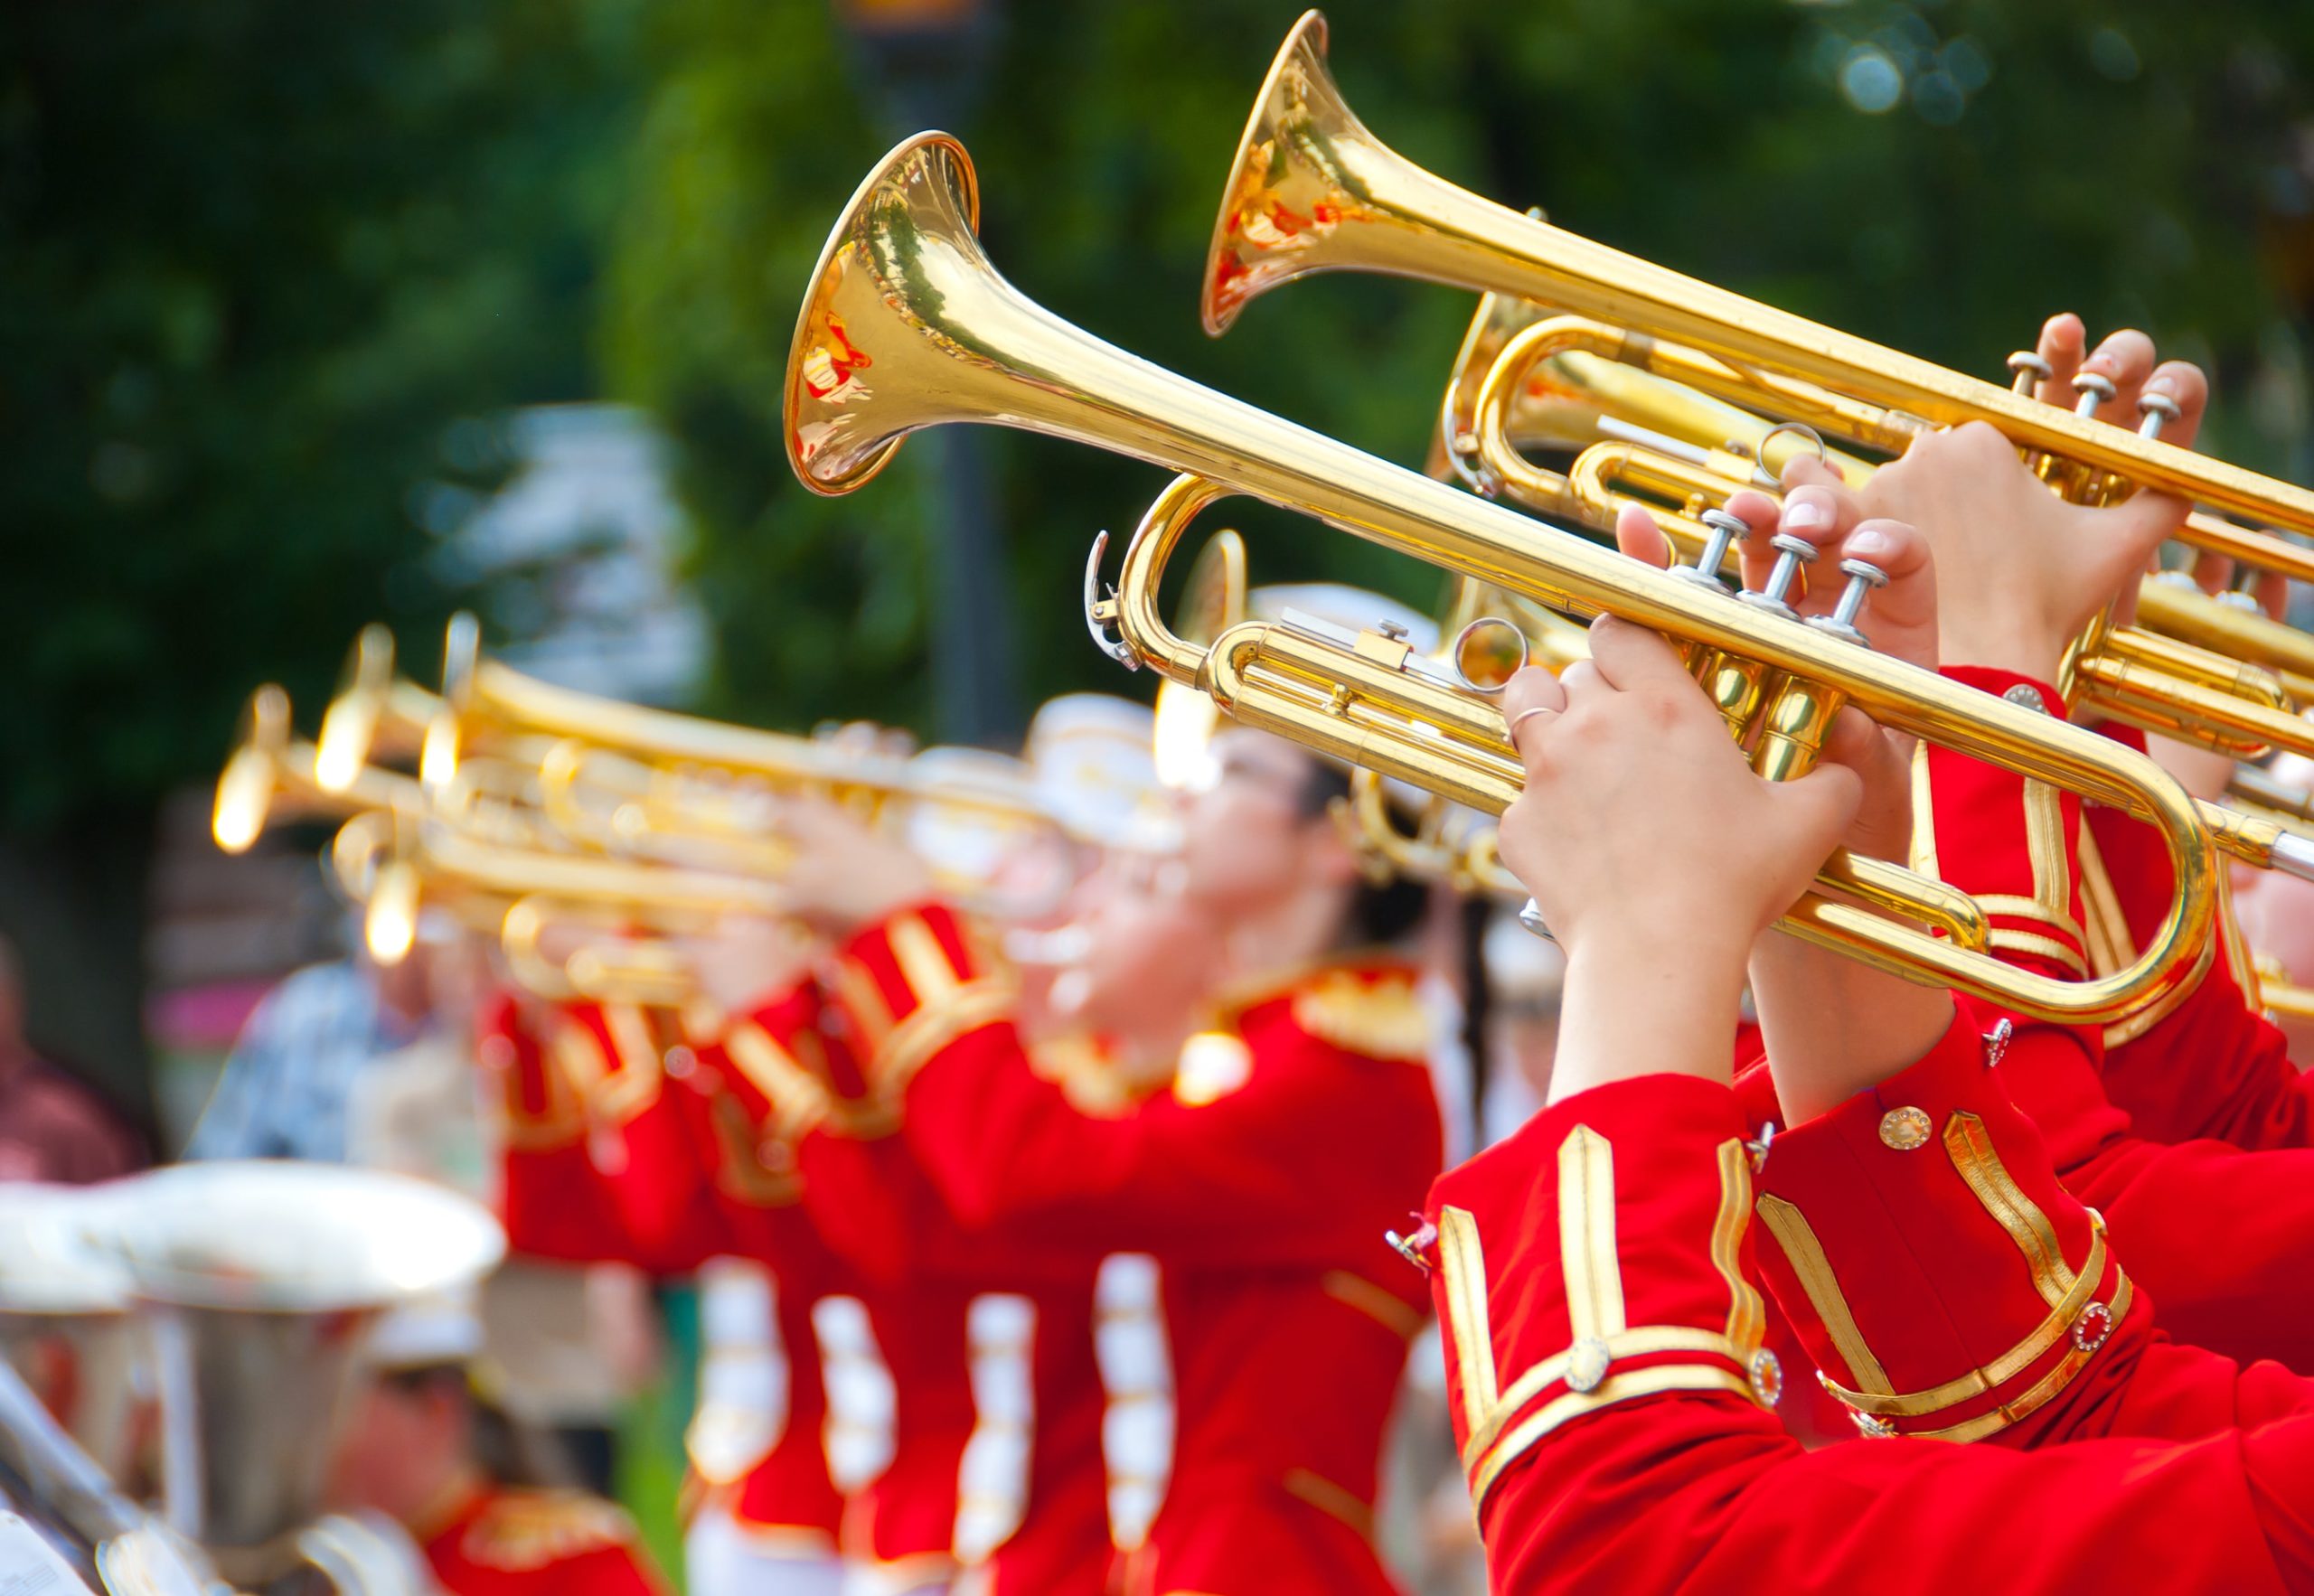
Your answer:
<point x="376" y="716"/>
<point x="614" y="916"/>
<point x="271" y="775"/>
<point x="654" y="784"/>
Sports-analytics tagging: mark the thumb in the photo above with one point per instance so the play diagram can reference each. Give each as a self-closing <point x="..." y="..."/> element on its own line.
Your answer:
<point x="1816" y="809"/>
<point x="2126" y="536"/>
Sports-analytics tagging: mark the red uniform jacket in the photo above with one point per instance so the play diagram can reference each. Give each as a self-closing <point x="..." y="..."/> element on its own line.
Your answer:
<point x="628" y="1143"/>
<point x="1299" y="1129"/>
<point x="492" y="1540"/>
<point x="2222" y="1237"/>
<point x="1027" y="1497"/>
<point x="1596" y="1274"/>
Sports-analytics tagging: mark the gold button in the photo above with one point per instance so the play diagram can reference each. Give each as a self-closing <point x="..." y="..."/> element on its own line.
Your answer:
<point x="1904" y="1128"/>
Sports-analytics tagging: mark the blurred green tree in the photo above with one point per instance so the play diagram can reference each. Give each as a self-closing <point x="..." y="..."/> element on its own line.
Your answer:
<point x="254" y="260"/>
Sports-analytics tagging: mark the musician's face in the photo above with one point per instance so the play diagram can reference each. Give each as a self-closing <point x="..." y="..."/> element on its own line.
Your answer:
<point x="1149" y="959"/>
<point x="1248" y="838"/>
<point x="402" y="1445"/>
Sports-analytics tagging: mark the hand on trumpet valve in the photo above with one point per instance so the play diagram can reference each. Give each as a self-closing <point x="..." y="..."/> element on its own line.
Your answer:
<point x="847" y="875"/>
<point x="2165" y="401"/>
<point x="1888" y="600"/>
<point x="2026" y="571"/>
<point x="1623" y="754"/>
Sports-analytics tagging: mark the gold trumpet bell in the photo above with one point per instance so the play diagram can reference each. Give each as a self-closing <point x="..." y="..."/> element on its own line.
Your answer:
<point x="245" y="787"/>
<point x="1285" y="197"/>
<point x="925" y="186"/>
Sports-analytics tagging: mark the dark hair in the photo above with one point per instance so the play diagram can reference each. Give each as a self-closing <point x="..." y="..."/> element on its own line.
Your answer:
<point x="1377" y="915"/>
<point x="510" y="1451"/>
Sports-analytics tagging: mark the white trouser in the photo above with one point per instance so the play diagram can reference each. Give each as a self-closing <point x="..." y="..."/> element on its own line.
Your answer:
<point x="723" y="1557"/>
<point x="880" y="1585"/>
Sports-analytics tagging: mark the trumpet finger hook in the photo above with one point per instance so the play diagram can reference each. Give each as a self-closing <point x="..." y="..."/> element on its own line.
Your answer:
<point x="1101" y="614"/>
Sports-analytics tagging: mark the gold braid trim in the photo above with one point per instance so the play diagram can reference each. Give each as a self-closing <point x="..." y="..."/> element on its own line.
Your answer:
<point x="1982" y="1381"/>
<point x="2043" y="1390"/>
<point x="913" y="1041"/>
<point x="1393" y="1313"/>
<point x="799" y="1102"/>
<point x="1797" y="1237"/>
<point x="2011" y="940"/>
<point x="1617" y="1387"/>
<point x="1380" y="1018"/>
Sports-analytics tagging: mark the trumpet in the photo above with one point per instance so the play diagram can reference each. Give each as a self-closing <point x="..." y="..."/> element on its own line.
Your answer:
<point x="1665" y="445"/>
<point x="902" y="287"/>
<point x="630" y="779"/>
<point x="271" y="775"/>
<point x="521" y="895"/>
<point x="1490" y="634"/>
<point x="376" y="715"/>
<point x="1311" y="190"/>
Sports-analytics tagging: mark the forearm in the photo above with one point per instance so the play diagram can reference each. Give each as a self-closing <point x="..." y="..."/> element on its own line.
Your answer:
<point x="1640" y="1002"/>
<point x="1835" y="1027"/>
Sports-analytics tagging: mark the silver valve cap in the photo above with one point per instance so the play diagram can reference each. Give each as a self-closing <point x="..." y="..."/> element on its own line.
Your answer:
<point x="1725" y="531"/>
<point x="1864" y="579"/>
<point x="1790" y="554"/>
<point x="2026" y="369"/>
<point x="2157" y="410"/>
<point x="2095" y="389"/>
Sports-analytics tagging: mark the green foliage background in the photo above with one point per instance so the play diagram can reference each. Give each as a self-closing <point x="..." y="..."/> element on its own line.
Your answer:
<point x="258" y="262"/>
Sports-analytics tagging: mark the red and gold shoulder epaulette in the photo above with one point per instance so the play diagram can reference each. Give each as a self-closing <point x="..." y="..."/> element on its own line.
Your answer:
<point x="521" y="1531"/>
<point x="1375" y="1011"/>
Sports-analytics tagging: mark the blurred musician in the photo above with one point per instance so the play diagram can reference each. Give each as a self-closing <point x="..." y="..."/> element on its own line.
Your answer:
<point x="1298" y="1122"/>
<point x="288" y="1088"/>
<point x="415" y="1451"/>
<point x="53" y="1127"/>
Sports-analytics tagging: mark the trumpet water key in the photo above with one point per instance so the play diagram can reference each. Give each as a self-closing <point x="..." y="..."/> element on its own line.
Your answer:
<point x="905" y="325"/>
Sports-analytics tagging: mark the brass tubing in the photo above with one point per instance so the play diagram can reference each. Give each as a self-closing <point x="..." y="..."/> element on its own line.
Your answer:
<point x="902" y="287"/>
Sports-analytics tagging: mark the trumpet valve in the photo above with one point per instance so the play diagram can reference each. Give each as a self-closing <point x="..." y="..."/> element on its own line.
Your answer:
<point x="2026" y="371"/>
<point x="1863" y="577"/>
<point x="2156" y="410"/>
<point x="1721" y="531"/>
<point x="2092" y="390"/>
<point x="1790" y="554"/>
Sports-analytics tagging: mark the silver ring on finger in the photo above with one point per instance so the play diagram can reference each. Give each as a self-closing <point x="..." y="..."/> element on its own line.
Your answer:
<point x="1523" y="717"/>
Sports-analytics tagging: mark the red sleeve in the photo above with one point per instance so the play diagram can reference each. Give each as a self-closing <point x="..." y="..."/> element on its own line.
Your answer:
<point x="1607" y="1387"/>
<point x="602" y="1162"/>
<point x="2212" y="1068"/>
<point x="2014" y="846"/>
<point x="551" y="1202"/>
<point x="1290" y="1149"/>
